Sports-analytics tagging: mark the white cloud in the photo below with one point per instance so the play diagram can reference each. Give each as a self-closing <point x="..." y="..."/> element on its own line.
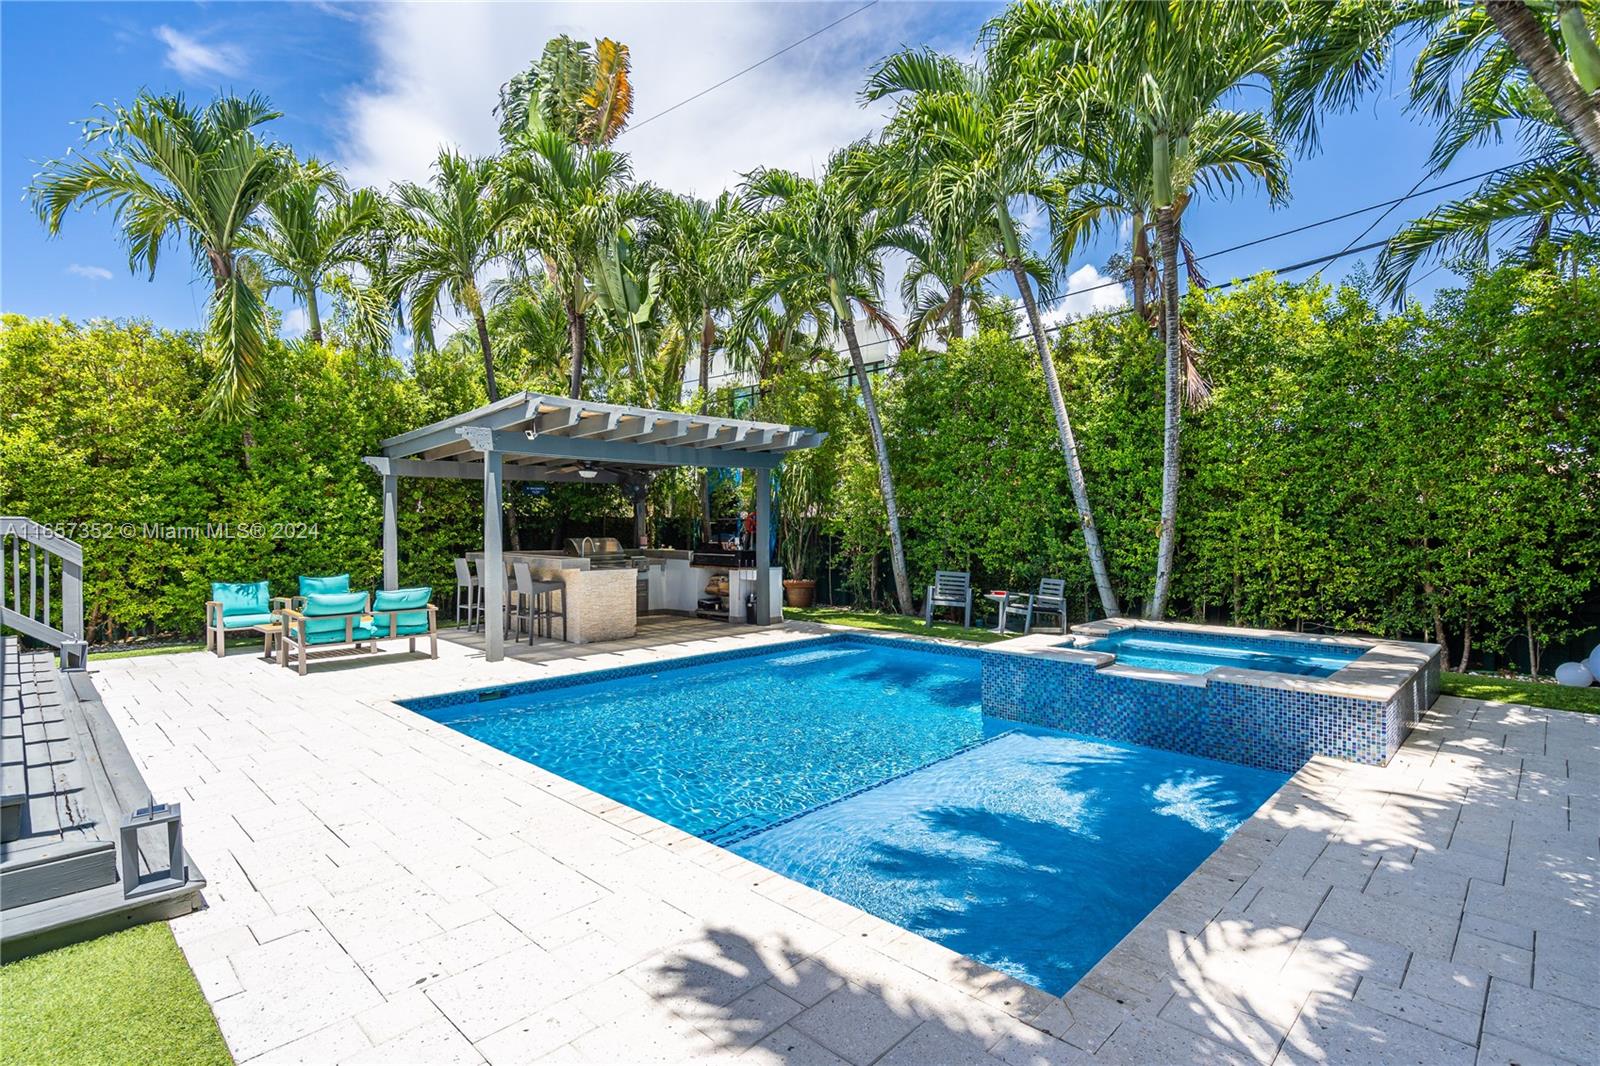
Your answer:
<point x="89" y="273"/>
<point x="295" y="324"/>
<point x="440" y="68"/>
<point x="192" y="58"/>
<point x="1086" y="292"/>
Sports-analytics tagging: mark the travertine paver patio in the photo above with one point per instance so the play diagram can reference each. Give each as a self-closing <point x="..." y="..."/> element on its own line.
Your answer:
<point x="385" y="889"/>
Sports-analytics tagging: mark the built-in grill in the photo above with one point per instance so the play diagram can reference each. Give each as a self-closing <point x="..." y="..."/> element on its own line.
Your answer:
<point x="604" y="553"/>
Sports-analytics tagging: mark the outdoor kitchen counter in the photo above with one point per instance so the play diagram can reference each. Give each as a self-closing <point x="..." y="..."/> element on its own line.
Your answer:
<point x="601" y="604"/>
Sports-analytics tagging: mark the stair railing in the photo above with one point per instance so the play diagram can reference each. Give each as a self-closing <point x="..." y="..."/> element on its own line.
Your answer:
<point x="41" y="587"/>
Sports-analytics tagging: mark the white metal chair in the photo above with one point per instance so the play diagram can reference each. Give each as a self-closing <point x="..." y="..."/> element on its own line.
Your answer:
<point x="469" y="600"/>
<point x="1051" y="599"/>
<point x="950" y="588"/>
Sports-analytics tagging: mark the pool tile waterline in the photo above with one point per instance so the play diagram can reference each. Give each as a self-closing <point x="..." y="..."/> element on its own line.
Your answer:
<point x="1360" y="713"/>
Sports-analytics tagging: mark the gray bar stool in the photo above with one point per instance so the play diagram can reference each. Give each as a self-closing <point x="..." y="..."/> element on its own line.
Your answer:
<point x="544" y="608"/>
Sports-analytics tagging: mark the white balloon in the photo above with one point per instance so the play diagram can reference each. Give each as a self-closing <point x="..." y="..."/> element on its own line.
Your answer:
<point x="1593" y="662"/>
<point x="1574" y="675"/>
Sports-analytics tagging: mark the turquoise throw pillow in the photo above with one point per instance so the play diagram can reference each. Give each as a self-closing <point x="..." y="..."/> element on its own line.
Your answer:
<point x="314" y="585"/>
<point x="241" y="598"/>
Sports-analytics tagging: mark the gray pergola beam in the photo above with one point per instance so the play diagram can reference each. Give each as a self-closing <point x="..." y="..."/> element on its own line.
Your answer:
<point x="623" y="453"/>
<point x="461" y="469"/>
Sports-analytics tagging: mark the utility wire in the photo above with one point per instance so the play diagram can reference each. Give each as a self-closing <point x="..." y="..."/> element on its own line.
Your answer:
<point x="1350" y="248"/>
<point x="760" y="62"/>
<point x="878" y="368"/>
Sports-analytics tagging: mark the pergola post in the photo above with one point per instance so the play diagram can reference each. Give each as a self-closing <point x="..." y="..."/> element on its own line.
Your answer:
<point x="763" y="546"/>
<point x="492" y="576"/>
<point x="638" y="516"/>
<point x="391" y="533"/>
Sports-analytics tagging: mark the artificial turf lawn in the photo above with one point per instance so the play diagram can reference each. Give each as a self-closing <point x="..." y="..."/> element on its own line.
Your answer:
<point x="898" y="623"/>
<point x="1508" y="690"/>
<point x="129" y="997"/>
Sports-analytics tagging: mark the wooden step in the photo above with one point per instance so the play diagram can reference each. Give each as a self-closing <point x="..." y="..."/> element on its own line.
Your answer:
<point x="47" y="873"/>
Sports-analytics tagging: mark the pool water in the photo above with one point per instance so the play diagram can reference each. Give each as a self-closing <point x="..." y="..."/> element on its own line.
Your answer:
<point x="722" y="748"/>
<point x="868" y="770"/>
<point x="1035" y="853"/>
<point x="1198" y="653"/>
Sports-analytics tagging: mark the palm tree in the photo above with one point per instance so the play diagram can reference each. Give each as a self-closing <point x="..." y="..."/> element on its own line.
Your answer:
<point x="310" y="226"/>
<point x="946" y="276"/>
<point x="448" y="232"/>
<point x="696" y="253"/>
<point x="826" y="232"/>
<point x="1340" y="53"/>
<point x="1481" y="69"/>
<point x="585" y="97"/>
<point x="955" y="156"/>
<point x="1112" y="187"/>
<point x="564" y="203"/>
<point x="1552" y="197"/>
<point x="167" y="170"/>
<point x="1169" y="68"/>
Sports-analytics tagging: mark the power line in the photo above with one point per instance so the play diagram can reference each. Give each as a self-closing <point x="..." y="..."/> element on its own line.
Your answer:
<point x="760" y="62"/>
<point x="1414" y="192"/>
<point x="879" y="368"/>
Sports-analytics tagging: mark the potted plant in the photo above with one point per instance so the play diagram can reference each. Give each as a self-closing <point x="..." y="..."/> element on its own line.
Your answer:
<point x="797" y="532"/>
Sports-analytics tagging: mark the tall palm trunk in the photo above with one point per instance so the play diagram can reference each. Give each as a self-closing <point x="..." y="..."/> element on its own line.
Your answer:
<point x="475" y="305"/>
<point x="958" y="301"/>
<point x="577" y="339"/>
<point x="313" y="315"/>
<point x="1172" y="411"/>
<point x="897" y="551"/>
<point x="708" y="337"/>
<point x="1069" y="446"/>
<point x="1578" y="111"/>
<point x="1140" y="266"/>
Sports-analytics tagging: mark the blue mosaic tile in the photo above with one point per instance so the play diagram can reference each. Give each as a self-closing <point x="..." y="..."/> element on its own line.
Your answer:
<point x="1256" y="725"/>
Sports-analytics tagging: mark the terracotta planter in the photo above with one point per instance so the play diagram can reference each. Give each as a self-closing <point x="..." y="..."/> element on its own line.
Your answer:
<point x="798" y="592"/>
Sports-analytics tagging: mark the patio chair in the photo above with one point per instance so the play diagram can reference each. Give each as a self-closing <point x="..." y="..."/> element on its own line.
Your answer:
<point x="406" y="613"/>
<point x="333" y="584"/>
<point x="1052" y="599"/>
<point x="326" y="619"/>
<point x="1019" y="603"/>
<point x="468" y="598"/>
<point x="950" y="588"/>
<point x="233" y="606"/>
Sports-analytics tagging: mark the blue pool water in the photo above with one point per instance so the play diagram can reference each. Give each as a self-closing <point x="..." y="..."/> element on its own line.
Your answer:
<point x="721" y="748"/>
<point x="869" y="771"/>
<point x="1197" y="653"/>
<point x="1035" y="853"/>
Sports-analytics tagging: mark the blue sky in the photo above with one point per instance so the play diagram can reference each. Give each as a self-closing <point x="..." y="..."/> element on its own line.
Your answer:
<point x="377" y="88"/>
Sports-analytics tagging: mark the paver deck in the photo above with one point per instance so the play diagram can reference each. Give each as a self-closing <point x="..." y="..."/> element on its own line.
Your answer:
<point x="386" y="889"/>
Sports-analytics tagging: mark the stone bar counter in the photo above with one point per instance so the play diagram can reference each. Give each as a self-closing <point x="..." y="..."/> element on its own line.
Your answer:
<point x="601" y="604"/>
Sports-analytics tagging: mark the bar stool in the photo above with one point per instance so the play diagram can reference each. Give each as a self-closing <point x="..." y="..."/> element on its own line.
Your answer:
<point x="520" y="601"/>
<point x="468" y="599"/>
<point x="544" y="613"/>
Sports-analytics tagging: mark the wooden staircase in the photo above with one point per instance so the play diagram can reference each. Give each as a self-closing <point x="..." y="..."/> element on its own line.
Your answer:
<point x="69" y="782"/>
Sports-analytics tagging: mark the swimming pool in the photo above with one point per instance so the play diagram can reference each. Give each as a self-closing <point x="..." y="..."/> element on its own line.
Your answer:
<point x="1198" y="653"/>
<point x="869" y="770"/>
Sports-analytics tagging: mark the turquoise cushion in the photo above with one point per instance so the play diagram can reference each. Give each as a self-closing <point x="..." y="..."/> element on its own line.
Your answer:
<point x="240" y="621"/>
<point x="310" y="586"/>
<point x="407" y="622"/>
<point x="246" y="598"/>
<point x="327" y="630"/>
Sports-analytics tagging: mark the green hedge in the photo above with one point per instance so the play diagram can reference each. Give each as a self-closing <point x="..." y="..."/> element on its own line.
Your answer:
<point x="1420" y="474"/>
<point x="1432" y="472"/>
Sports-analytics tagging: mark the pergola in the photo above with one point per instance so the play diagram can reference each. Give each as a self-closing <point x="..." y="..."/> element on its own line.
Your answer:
<point x="533" y="437"/>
